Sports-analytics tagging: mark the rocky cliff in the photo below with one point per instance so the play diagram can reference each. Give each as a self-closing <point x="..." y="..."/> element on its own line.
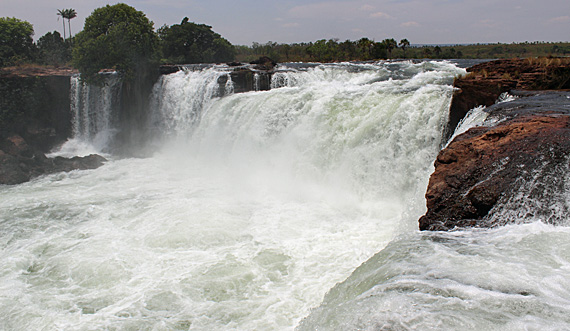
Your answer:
<point x="516" y="162"/>
<point x="34" y="117"/>
<point x="488" y="80"/>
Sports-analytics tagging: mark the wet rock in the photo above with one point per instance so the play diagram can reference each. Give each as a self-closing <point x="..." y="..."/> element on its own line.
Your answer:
<point x="19" y="162"/>
<point x="487" y="81"/>
<point x="485" y="170"/>
<point x="264" y="63"/>
<point x="92" y="161"/>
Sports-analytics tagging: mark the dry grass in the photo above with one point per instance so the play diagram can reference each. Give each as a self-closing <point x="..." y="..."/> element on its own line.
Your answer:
<point x="544" y="61"/>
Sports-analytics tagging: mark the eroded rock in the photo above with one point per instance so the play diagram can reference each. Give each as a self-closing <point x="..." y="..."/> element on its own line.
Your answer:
<point x="19" y="162"/>
<point x="487" y="166"/>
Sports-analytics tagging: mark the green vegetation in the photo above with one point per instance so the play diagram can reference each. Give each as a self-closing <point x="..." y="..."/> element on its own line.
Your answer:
<point x="189" y="42"/>
<point x="365" y="49"/>
<point x="53" y="50"/>
<point x="121" y="38"/>
<point x="16" y="43"/>
<point x="115" y="37"/>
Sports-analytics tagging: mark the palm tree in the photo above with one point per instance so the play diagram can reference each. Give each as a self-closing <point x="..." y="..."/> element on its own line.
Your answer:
<point x="403" y="44"/>
<point x="390" y="45"/>
<point x="69" y="15"/>
<point x="62" y="13"/>
<point x="365" y="44"/>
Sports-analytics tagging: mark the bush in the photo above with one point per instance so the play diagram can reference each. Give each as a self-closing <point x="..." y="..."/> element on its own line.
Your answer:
<point x="189" y="42"/>
<point x="16" y="43"/>
<point x="53" y="49"/>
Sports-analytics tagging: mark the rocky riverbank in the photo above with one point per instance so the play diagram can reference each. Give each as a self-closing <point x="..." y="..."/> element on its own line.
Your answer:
<point x="19" y="162"/>
<point x="34" y="117"/>
<point x="516" y="162"/>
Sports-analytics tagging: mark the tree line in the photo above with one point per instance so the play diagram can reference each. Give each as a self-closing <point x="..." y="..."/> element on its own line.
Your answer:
<point x="323" y="50"/>
<point x="114" y="37"/>
<point x="333" y="50"/>
<point x="120" y="37"/>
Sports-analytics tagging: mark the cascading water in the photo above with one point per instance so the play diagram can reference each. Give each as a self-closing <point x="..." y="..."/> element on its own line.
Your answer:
<point x="257" y="204"/>
<point x="94" y="110"/>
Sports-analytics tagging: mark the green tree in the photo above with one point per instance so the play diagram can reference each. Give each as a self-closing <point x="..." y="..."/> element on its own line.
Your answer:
<point x="116" y="37"/>
<point x="390" y="45"/>
<point x="437" y="51"/>
<point x="16" y="43"/>
<point x="379" y="50"/>
<point x="53" y="49"/>
<point x="348" y="50"/>
<point x="189" y="42"/>
<point x="403" y="44"/>
<point x="365" y="45"/>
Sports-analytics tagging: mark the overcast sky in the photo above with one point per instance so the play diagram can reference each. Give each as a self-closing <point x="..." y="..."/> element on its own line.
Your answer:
<point x="287" y="21"/>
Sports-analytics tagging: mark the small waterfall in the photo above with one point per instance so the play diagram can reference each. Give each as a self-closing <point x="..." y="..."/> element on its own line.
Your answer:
<point x="256" y="82"/>
<point x="229" y="87"/>
<point x="94" y="110"/>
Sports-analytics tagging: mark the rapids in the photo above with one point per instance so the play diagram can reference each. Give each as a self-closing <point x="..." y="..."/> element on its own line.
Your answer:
<point x="269" y="210"/>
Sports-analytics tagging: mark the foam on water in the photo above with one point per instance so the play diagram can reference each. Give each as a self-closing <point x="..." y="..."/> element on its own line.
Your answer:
<point x="510" y="278"/>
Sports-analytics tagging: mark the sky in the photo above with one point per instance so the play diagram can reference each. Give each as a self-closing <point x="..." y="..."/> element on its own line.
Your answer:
<point x="243" y="22"/>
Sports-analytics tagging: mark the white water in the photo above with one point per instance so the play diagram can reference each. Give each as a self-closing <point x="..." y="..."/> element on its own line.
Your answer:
<point x="256" y="206"/>
<point x="93" y="111"/>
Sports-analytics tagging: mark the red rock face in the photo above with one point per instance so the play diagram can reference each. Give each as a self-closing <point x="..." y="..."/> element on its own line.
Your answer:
<point x="488" y="80"/>
<point x="485" y="165"/>
<point x="483" y="170"/>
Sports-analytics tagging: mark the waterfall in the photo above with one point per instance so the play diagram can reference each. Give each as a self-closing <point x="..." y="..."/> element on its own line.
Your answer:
<point x="294" y="207"/>
<point x="349" y="124"/>
<point x="94" y="111"/>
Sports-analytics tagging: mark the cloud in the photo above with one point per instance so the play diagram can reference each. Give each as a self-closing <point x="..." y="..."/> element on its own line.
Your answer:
<point x="487" y="23"/>
<point x="560" y="19"/>
<point x="411" y="24"/>
<point x="380" y="15"/>
<point x="344" y="10"/>
<point x="290" y="25"/>
<point x="322" y="9"/>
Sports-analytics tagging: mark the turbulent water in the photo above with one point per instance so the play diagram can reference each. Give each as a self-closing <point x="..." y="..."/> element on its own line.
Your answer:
<point x="270" y="210"/>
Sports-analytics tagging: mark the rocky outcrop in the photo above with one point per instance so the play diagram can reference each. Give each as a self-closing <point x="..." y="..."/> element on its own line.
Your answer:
<point x="34" y="118"/>
<point x="521" y="152"/>
<point x="264" y="63"/>
<point x="255" y="76"/>
<point x="488" y="80"/>
<point x="36" y="108"/>
<point x="19" y="162"/>
<point x="516" y="162"/>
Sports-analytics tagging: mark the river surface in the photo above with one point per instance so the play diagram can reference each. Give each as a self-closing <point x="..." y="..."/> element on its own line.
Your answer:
<point x="270" y="210"/>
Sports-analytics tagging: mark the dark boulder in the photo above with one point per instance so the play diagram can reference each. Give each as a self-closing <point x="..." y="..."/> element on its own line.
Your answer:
<point x="264" y="63"/>
<point x="19" y="162"/>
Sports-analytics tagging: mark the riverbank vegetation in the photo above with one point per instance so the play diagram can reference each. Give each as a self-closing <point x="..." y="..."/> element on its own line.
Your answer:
<point x="365" y="49"/>
<point x="140" y="45"/>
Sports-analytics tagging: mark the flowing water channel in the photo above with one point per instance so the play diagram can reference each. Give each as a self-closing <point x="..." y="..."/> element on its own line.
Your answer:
<point x="291" y="208"/>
